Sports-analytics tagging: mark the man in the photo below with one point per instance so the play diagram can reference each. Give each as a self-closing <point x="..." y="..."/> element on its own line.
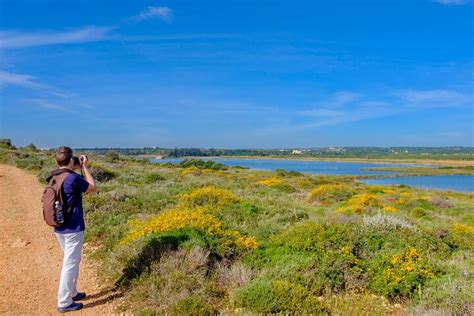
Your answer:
<point x="71" y="234"/>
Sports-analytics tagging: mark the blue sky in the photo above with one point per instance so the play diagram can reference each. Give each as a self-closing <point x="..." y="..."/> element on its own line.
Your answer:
<point x="237" y="74"/>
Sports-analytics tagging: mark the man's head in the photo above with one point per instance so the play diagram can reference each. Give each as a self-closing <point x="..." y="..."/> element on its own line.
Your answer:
<point x="64" y="156"/>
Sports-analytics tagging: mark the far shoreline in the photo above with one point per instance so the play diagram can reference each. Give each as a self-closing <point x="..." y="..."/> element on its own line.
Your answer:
<point x="445" y="163"/>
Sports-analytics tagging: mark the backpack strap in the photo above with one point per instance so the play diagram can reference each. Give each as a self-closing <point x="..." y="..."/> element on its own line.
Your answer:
<point x="56" y="180"/>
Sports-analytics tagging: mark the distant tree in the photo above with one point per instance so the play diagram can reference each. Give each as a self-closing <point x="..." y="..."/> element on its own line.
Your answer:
<point x="6" y="143"/>
<point x="31" y="147"/>
<point x="112" y="156"/>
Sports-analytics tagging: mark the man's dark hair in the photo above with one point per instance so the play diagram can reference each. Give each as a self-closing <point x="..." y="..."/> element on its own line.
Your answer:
<point x="63" y="156"/>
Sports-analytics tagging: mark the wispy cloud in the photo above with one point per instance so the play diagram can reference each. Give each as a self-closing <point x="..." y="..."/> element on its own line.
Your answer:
<point x="48" y="105"/>
<point x="350" y="107"/>
<point x="9" y="78"/>
<point x="433" y="98"/>
<point x="19" y="39"/>
<point x="346" y="106"/>
<point x="452" y="2"/>
<point x="163" y="13"/>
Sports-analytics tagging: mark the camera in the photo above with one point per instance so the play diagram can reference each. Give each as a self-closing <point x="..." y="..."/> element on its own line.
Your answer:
<point x="77" y="161"/>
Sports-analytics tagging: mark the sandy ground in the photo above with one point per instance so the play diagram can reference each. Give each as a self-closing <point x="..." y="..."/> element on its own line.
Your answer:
<point x="30" y="256"/>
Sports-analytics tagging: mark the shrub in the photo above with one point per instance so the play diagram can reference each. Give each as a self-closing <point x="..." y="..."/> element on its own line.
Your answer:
<point x="385" y="222"/>
<point x="6" y="143"/>
<point x="112" y="156"/>
<point x="181" y="219"/>
<point x="209" y="196"/>
<point x="418" y="212"/>
<point x="191" y="170"/>
<point x="362" y="203"/>
<point x="101" y="173"/>
<point x="463" y="234"/>
<point x="202" y="164"/>
<point x="311" y="236"/>
<point x="330" y="193"/>
<point x="192" y="305"/>
<point x="175" y="285"/>
<point x="275" y="182"/>
<point x="440" y="202"/>
<point x="234" y="276"/>
<point x="30" y="162"/>
<point x="264" y="295"/>
<point x="271" y="182"/>
<point x="400" y="274"/>
<point x="152" y="177"/>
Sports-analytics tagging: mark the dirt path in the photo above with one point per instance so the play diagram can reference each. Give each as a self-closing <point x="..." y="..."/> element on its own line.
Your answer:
<point x="30" y="257"/>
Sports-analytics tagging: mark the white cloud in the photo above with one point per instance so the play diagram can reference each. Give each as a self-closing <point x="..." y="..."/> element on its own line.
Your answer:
<point x="163" y="13"/>
<point x="8" y="78"/>
<point x="452" y="2"/>
<point x="433" y="98"/>
<point x="18" y="39"/>
<point x="48" y="105"/>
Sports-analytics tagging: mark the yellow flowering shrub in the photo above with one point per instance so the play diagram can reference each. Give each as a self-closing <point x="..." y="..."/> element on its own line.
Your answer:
<point x="389" y="208"/>
<point x="328" y="193"/>
<point x="402" y="273"/>
<point x="190" y="218"/>
<point x="271" y="182"/>
<point x="401" y="264"/>
<point x="463" y="228"/>
<point x="362" y="202"/>
<point x="209" y="196"/>
<point x="405" y="199"/>
<point x="191" y="170"/>
<point x="345" y="250"/>
<point x="463" y="235"/>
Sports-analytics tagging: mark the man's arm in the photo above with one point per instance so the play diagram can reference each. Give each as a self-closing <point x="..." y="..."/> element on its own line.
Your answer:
<point x="92" y="187"/>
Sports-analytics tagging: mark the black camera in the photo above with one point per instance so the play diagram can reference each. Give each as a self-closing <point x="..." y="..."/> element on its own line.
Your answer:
<point x="77" y="161"/>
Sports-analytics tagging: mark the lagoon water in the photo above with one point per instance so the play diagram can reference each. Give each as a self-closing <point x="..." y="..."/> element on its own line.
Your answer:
<point x="311" y="166"/>
<point x="463" y="183"/>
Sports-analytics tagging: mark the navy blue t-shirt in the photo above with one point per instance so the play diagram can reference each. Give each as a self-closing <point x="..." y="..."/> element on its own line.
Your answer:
<point x="73" y="187"/>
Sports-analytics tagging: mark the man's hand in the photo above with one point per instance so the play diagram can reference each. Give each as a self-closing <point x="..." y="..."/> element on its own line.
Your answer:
<point x="84" y="160"/>
<point x="92" y="188"/>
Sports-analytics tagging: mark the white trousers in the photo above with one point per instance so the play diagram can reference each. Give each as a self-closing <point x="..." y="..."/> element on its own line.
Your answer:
<point x="71" y="244"/>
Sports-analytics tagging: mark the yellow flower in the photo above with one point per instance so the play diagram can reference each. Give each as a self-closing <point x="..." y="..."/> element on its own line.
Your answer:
<point x="271" y="182"/>
<point x="189" y="218"/>
<point x="209" y="195"/>
<point x="463" y="228"/>
<point x="330" y="193"/>
<point x="345" y="251"/>
<point x="389" y="208"/>
<point x="360" y="203"/>
<point x="191" y="170"/>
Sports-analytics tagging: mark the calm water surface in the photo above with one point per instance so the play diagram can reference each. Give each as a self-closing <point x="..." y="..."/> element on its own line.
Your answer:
<point x="314" y="167"/>
<point x="463" y="183"/>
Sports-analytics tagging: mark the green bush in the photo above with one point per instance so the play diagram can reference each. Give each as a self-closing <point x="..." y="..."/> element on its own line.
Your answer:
<point x="101" y="173"/>
<point x="112" y="156"/>
<point x="152" y="177"/>
<point x="264" y="295"/>
<point x="30" y="162"/>
<point x="202" y="164"/>
<point x="192" y="306"/>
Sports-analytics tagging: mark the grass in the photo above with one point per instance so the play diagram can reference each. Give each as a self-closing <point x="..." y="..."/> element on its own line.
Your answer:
<point x="202" y="239"/>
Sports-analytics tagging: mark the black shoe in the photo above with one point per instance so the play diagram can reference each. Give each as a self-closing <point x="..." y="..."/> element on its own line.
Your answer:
<point x="79" y="296"/>
<point x="70" y="308"/>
